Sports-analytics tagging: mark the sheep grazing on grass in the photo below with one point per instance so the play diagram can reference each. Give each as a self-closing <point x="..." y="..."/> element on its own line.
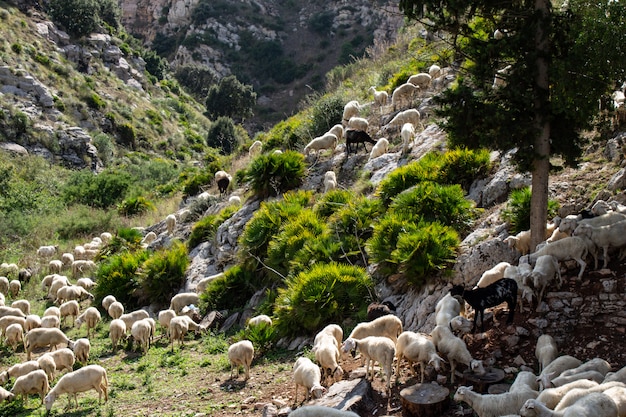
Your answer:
<point x="165" y="317"/>
<point x="407" y="116"/>
<point x="545" y="350"/>
<point x="455" y="350"/>
<point x="64" y="359"/>
<point x="14" y="334"/>
<point x="356" y="137"/>
<point x="4" y="285"/>
<point x="117" y="332"/>
<point x="388" y="326"/>
<point x="494" y="405"/>
<point x="260" y="320"/>
<point x="84" y="379"/>
<point x="337" y="130"/>
<point x="326" y="349"/>
<point x="69" y="309"/>
<point x="72" y="292"/>
<point x="141" y="332"/>
<point x="55" y="266"/>
<point x="116" y="309"/>
<point x="170" y="223"/>
<point x="204" y="282"/>
<point x="332" y="331"/>
<point x="32" y="322"/>
<point x="44" y="337"/>
<point x="403" y="94"/>
<point x="133" y="316"/>
<point x="15" y="286"/>
<point x="380" y="148"/>
<point x="6" y="321"/>
<point x="9" y="396"/>
<point x="504" y="290"/>
<point x="11" y="311"/>
<point x="81" y="350"/>
<point x="546" y="271"/>
<point x="374" y="349"/>
<point x="18" y="370"/>
<point x="50" y="322"/>
<point x="605" y="237"/>
<point x="307" y="375"/>
<point x="91" y="317"/>
<point x="320" y="411"/>
<point x="416" y="347"/>
<point x="47" y="251"/>
<point x="46" y="364"/>
<point x="241" y="354"/>
<point x="326" y="141"/>
<point x="183" y="299"/>
<point x="422" y="80"/>
<point x="358" y="123"/>
<point x="222" y="179"/>
<point x="107" y="301"/>
<point x="595" y="404"/>
<point x="86" y="283"/>
<point x="35" y="382"/>
<point x="179" y="326"/>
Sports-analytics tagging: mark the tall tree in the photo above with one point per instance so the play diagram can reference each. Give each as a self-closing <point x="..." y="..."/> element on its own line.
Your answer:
<point x="552" y="64"/>
<point x="230" y="98"/>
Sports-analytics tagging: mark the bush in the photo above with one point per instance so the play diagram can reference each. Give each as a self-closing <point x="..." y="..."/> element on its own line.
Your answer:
<point x="126" y="240"/>
<point x="135" y="206"/>
<point x="273" y="174"/>
<point x="231" y="291"/>
<point x="83" y="221"/>
<point x="77" y="17"/>
<point x="94" y="101"/>
<point x="326" y="112"/>
<point x="384" y="240"/>
<point x="117" y="276"/>
<point x="517" y="210"/>
<point x="230" y="98"/>
<point x="204" y="230"/>
<point x="163" y="274"/>
<point x="327" y="293"/>
<point x="101" y="191"/>
<point x="221" y="136"/>
<point x="331" y="202"/>
<point x="432" y="202"/>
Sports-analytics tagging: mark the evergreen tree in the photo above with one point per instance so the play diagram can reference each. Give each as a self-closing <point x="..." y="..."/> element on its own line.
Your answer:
<point x="230" y="98"/>
<point x="558" y="63"/>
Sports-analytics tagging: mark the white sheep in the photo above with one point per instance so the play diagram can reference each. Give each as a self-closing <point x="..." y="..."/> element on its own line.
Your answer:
<point x="544" y="273"/>
<point x="11" y="311"/>
<point x="6" y="321"/>
<point x="446" y="309"/>
<point x="333" y="331"/>
<point x="545" y="350"/>
<point x="407" y="116"/>
<point x="461" y="325"/>
<point x="494" y="405"/>
<point x="351" y="109"/>
<point x="63" y="359"/>
<point x="326" y="141"/>
<point x="337" y="130"/>
<point x="555" y="368"/>
<point x="47" y="251"/>
<point x="204" y="282"/>
<point x="183" y="299"/>
<point x="380" y="148"/>
<point x="563" y="250"/>
<point x="81" y="266"/>
<point x="86" y="283"/>
<point x="455" y="350"/>
<point x="15" y="286"/>
<point x="234" y="200"/>
<point x="46" y="364"/>
<point x="81" y="380"/>
<point x="141" y="331"/>
<point x="44" y="337"/>
<point x="4" y="285"/>
<point x="241" y="354"/>
<point x="307" y="375"/>
<point x="107" y="301"/>
<point x="422" y="80"/>
<point x="81" y="350"/>
<point x="179" y="326"/>
<point x="117" y="332"/>
<point x="492" y="275"/>
<point x="374" y="349"/>
<point x="619" y="375"/>
<point x="260" y="320"/>
<point x="320" y="411"/>
<point x="69" y="309"/>
<point x="106" y="237"/>
<point x="255" y="149"/>
<point x="595" y="404"/>
<point x="148" y="239"/>
<point x="551" y="396"/>
<point x="595" y="364"/>
<point x="14" y="334"/>
<point x="576" y="394"/>
<point x="170" y="223"/>
<point x="388" y="326"/>
<point x="407" y="134"/>
<point x="50" y="322"/>
<point x="133" y="316"/>
<point x="91" y="317"/>
<point x="618" y="395"/>
<point x="500" y="78"/>
<point x="605" y="237"/>
<point x="380" y="97"/>
<point x="35" y="382"/>
<point x="591" y="375"/>
<point x="72" y="292"/>
<point x="18" y="370"/>
<point x="327" y="356"/>
<point x="434" y="71"/>
<point x="358" y="123"/>
<point x="330" y="181"/>
<point x="403" y="94"/>
<point x="164" y="317"/>
<point x="55" y="266"/>
<point x="416" y="347"/>
<point x="8" y="396"/>
<point x="519" y="242"/>
<point x="116" y="309"/>
<point x="32" y="322"/>
<point x="23" y="305"/>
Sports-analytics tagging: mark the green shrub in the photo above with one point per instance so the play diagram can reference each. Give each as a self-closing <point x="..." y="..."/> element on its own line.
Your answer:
<point x="126" y="240"/>
<point x="286" y="134"/>
<point x="407" y="176"/>
<point x="517" y="210"/>
<point x="327" y="293"/>
<point x="268" y="219"/>
<point x="117" y="276"/>
<point x="432" y="202"/>
<point x="127" y="135"/>
<point x="193" y="183"/>
<point x="231" y="291"/>
<point x="221" y="136"/>
<point x="464" y="166"/>
<point x="204" y="230"/>
<point x="135" y="206"/>
<point x="105" y="147"/>
<point x="95" y="102"/>
<point x="83" y="221"/>
<point x="17" y="48"/>
<point x="273" y="174"/>
<point x="326" y="112"/>
<point x="77" y="17"/>
<point x="163" y="274"/>
<point x="331" y="202"/>
<point x="262" y="336"/>
<point x="101" y="191"/>
<point x="384" y="240"/>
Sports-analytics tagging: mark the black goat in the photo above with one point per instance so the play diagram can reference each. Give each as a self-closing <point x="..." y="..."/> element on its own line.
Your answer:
<point x="503" y="290"/>
<point x="376" y="310"/>
<point x="357" y="136"/>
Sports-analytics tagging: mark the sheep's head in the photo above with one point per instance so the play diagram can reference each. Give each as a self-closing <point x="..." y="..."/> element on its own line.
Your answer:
<point x="48" y="401"/>
<point x="337" y="373"/>
<point x="4" y="377"/>
<point x="477" y="367"/>
<point x="528" y="409"/>
<point x="317" y="391"/>
<point x="461" y="392"/>
<point x="436" y="361"/>
<point x="349" y="345"/>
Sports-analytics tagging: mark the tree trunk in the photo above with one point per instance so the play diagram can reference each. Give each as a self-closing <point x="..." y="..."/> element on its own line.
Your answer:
<point x="541" y="162"/>
<point x="424" y="400"/>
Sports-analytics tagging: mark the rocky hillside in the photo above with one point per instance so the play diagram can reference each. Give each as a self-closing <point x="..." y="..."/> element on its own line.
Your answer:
<point x="284" y="49"/>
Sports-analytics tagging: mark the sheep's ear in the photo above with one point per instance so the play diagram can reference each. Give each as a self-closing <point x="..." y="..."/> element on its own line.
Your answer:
<point x="471" y="388"/>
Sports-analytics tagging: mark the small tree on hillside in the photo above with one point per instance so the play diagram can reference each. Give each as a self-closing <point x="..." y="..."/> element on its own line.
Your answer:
<point x="222" y="136"/>
<point x="230" y="98"/>
<point x="77" y="17"/>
